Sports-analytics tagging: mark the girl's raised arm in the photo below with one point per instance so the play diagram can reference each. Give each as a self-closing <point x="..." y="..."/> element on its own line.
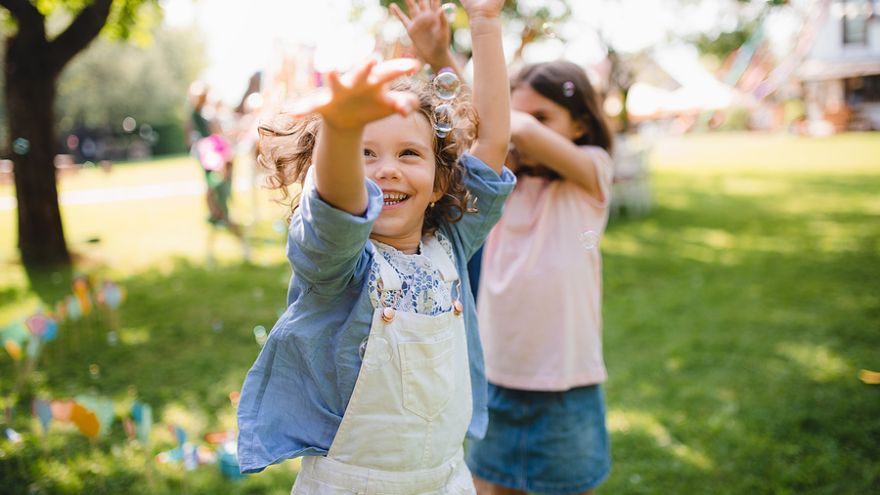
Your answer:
<point x="491" y="86"/>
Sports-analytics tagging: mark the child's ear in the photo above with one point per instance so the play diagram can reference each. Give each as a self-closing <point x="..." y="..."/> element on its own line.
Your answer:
<point x="578" y="130"/>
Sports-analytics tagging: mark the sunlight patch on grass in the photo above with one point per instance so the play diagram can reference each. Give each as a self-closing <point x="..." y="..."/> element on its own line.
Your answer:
<point x="818" y="362"/>
<point x="134" y="336"/>
<point x="622" y="421"/>
<point x="749" y="186"/>
<point x="702" y="253"/>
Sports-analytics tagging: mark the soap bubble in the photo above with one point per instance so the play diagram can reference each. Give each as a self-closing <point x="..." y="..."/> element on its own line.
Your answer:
<point x="260" y="334"/>
<point x="589" y="239"/>
<point x="446" y="84"/>
<point x="549" y="30"/>
<point x="443" y="118"/>
<point x="112" y="338"/>
<point x="380" y="351"/>
<point x="449" y="11"/>
<point x="568" y="89"/>
<point x="21" y="146"/>
<point x="362" y="349"/>
<point x="129" y="124"/>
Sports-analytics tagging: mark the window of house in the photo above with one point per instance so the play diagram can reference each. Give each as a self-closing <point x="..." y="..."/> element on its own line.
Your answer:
<point x="855" y="21"/>
<point x="863" y="90"/>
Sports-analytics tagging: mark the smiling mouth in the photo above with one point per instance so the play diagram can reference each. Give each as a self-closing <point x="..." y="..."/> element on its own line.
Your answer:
<point x="394" y="198"/>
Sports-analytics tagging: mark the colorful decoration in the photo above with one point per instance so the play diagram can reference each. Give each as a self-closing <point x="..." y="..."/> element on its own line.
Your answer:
<point x="101" y="407"/>
<point x="86" y="421"/>
<point x="142" y="414"/>
<point x="43" y="411"/>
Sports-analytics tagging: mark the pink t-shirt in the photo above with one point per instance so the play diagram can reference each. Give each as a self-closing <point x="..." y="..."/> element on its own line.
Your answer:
<point x="540" y="298"/>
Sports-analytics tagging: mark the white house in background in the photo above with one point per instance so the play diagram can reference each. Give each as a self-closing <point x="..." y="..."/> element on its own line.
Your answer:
<point x="841" y="71"/>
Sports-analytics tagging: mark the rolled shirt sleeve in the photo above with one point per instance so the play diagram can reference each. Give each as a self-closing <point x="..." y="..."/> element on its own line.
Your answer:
<point x="324" y="242"/>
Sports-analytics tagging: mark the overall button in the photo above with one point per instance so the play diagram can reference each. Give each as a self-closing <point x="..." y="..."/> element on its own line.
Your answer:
<point x="387" y="315"/>
<point x="457" y="307"/>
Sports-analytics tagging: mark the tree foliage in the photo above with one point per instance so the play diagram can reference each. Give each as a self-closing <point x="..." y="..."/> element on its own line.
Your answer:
<point x="113" y="80"/>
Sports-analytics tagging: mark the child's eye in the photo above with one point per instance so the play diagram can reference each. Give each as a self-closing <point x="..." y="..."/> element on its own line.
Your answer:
<point x="409" y="152"/>
<point x="369" y="153"/>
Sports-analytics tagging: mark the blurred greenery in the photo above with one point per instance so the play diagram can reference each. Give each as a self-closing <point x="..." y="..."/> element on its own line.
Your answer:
<point x="148" y="81"/>
<point x="737" y="317"/>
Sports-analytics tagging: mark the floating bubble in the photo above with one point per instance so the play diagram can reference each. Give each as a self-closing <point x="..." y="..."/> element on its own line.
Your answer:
<point x="279" y="226"/>
<point x="446" y="84"/>
<point x="72" y="142"/>
<point x="260" y="334"/>
<point x="589" y="239"/>
<point x="449" y="11"/>
<point x="217" y="325"/>
<point x="549" y="30"/>
<point x="568" y="89"/>
<point x="257" y="293"/>
<point x="129" y="124"/>
<point x="94" y="370"/>
<point x="146" y="132"/>
<point x="362" y="349"/>
<point x="443" y="119"/>
<point x="378" y="356"/>
<point x="21" y="146"/>
<point x="112" y="338"/>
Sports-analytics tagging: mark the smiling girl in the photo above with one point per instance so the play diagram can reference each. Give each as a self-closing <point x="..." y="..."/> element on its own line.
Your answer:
<point x="375" y="371"/>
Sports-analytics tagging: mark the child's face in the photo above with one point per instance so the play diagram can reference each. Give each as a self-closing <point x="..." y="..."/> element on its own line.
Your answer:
<point x="546" y="111"/>
<point x="399" y="157"/>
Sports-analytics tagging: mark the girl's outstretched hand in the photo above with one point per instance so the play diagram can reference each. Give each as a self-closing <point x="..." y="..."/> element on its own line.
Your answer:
<point x="482" y="8"/>
<point x="361" y="95"/>
<point x="427" y="28"/>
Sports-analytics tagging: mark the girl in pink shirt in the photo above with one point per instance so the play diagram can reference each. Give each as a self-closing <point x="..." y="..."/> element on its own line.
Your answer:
<point x="540" y="296"/>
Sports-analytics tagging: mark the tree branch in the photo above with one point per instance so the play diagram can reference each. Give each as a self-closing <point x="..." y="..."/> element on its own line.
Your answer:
<point x="84" y="28"/>
<point x="30" y="20"/>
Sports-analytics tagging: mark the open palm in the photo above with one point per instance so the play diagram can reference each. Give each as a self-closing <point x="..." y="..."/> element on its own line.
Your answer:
<point x="427" y="28"/>
<point x="361" y="95"/>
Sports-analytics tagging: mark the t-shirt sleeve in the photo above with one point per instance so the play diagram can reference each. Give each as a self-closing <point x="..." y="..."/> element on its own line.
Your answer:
<point x="604" y="174"/>
<point x="488" y="192"/>
<point x="325" y="243"/>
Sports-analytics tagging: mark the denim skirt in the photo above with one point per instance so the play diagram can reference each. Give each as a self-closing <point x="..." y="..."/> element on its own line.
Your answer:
<point x="553" y="443"/>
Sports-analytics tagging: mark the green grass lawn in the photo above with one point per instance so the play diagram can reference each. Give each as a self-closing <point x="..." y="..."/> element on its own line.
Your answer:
<point x="737" y="317"/>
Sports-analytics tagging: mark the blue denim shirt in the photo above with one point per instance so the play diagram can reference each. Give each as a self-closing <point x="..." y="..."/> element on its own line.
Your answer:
<point x="294" y="396"/>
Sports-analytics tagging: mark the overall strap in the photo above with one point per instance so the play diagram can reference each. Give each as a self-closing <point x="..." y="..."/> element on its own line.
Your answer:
<point x="434" y="251"/>
<point x="389" y="277"/>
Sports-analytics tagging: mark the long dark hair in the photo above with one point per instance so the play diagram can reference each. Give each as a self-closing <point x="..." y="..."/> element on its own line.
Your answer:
<point x="567" y="85"/>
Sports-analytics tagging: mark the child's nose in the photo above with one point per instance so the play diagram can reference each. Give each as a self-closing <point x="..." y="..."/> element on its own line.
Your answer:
<point x="387" y="168"/>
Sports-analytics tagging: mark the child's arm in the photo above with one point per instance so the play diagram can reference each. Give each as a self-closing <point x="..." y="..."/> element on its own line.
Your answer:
<point x="429" y="31"/>
<point x="353" y="100"/>
<point x="491" y="87"/>
<point x="536" y="141"/>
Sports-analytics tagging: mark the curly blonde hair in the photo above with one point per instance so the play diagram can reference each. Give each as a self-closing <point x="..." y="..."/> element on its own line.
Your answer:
<point x="286" y="146"/>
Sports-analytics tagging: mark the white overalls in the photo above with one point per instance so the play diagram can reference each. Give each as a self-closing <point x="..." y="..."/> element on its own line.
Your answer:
<point x="403" y="430"/>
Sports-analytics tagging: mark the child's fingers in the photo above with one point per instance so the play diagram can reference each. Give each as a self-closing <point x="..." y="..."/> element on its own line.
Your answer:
<point x="390" y="70"/>
<point x="362" y="72"/>
<point x="411" y="8"/>
<point x="403" y="102"/>
<point x="307" y="104"/>
<point x="400" y="15"/>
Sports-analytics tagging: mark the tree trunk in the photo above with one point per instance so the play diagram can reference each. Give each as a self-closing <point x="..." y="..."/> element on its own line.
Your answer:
<point x="30" y="97"/>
